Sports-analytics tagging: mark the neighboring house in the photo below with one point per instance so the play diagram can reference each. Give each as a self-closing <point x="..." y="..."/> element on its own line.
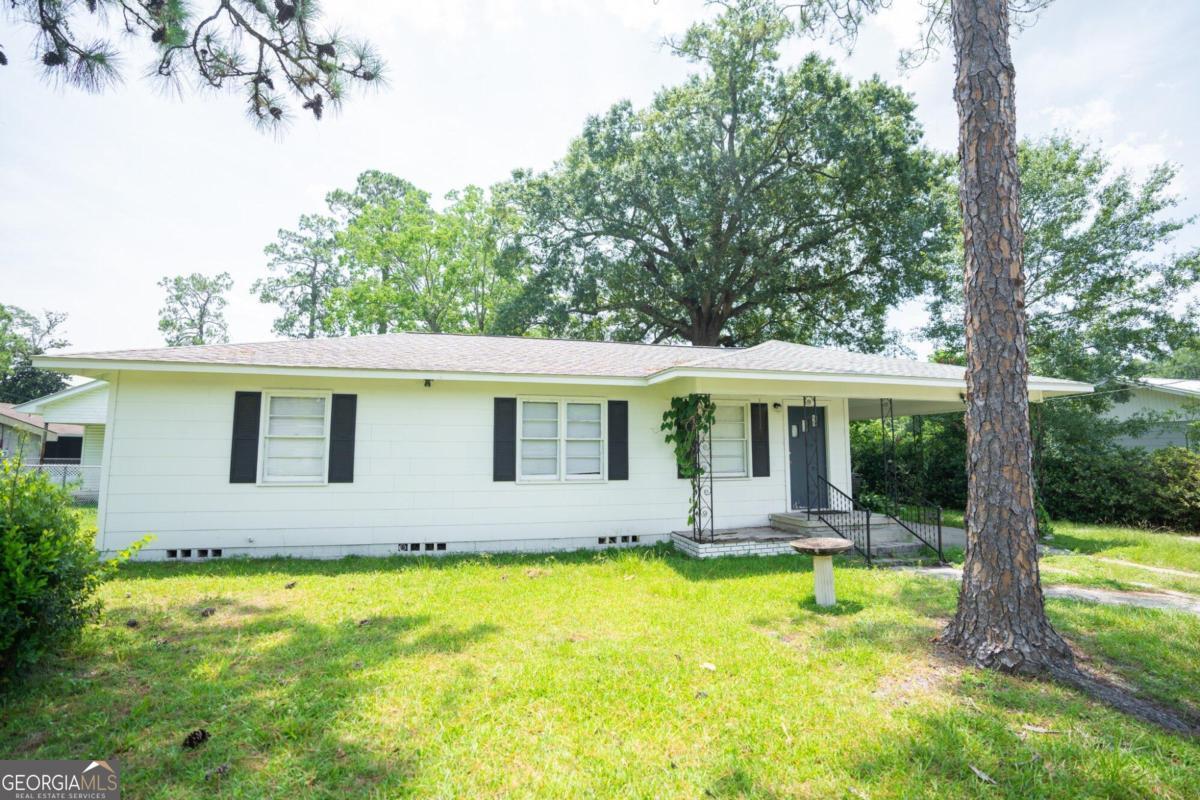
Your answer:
<point x="81" y="411"/>
<point x="23" y="435"/>
<point x="1174" y="404"/>
<point x="448" y="443"/>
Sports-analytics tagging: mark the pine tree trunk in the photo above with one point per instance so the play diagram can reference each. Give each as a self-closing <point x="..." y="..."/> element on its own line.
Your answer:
<point x="1001" y="620"/>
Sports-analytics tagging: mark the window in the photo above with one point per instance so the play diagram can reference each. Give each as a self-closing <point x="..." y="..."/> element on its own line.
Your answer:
<point x="561" y="440"/>
<point x="730" y="437"/>
<point x="295" y="438"/>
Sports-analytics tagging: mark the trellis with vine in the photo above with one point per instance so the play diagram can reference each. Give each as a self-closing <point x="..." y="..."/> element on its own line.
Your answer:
<point x="687" y="424"/>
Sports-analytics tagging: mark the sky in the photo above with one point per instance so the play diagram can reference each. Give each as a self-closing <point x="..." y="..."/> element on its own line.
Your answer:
<point x="102" y="195"/>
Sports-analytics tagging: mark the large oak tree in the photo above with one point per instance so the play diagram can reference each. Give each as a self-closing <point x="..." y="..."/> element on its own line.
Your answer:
<point x="752" y="201"/>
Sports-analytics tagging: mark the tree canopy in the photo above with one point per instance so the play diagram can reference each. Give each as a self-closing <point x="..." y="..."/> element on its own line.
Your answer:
<point x="22" y="336"/>
<point x="752" y="201"/>
<point x="1103" y="286"/>
<point x="194" y="309"/>
<point x="385" y="259"/>
<point x="275" y="53"/>
<point x="306" y="268"/>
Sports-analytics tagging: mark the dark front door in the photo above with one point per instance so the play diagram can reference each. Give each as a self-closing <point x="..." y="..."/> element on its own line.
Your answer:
<point x="807" y="457"/>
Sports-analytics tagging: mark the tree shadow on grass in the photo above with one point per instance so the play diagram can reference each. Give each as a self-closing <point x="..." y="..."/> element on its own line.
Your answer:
<point x="280" y="697"/>
<point x="1090" y="545"/>
<point x="692" y="569"/>
<point x="735" y="567"/>
<point x="246" y="567"/>
<point x="1026" y="738"/>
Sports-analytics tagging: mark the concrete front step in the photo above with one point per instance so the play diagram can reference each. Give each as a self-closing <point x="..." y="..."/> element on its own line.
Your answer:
<point x="883" y="529"/>
<point x="798" y="520"/>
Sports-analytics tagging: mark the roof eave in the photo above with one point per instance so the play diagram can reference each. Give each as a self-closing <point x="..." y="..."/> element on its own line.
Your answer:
<point x="99" y="367"/>
<point x="36" y="405"/>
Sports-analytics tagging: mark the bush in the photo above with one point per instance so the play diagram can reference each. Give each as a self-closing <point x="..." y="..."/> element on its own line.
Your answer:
<point x="1084" y="477"/>
<point x="49" y="569"/>
<point x="1175" y="476"/>
<point x="1124" y="486"/>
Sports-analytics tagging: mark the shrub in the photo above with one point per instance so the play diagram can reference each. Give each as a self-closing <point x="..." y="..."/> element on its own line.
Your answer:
<point x="1175" y="476"/>
<point x="49" y="569"/>
<point x="1083" y="477"/>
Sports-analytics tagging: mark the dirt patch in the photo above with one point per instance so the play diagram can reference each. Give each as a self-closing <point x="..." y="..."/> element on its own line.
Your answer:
<point x="929" y="677"/>
<point x="33" y="742"/>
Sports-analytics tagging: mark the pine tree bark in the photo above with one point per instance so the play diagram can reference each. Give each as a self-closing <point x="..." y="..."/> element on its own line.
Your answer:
<point x="1001" y="620"/>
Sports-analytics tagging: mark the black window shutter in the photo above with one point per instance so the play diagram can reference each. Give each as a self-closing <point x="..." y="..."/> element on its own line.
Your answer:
<point x="618" y="440"/>
<point x="343" y="413"/>
<point x="243" y="457"/>
<point x="504" y="439"/>
<point x="760" y="440"/>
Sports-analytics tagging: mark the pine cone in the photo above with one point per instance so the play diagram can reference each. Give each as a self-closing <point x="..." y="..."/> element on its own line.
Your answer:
<point x="284" y="12"/>
<point x="195" y="739"/>
<point x="316" y="105"/>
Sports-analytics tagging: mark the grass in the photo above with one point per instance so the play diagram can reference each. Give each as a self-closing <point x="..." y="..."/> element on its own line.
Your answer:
<point x="586" y="675"/>
<point x="1095" y="548"/>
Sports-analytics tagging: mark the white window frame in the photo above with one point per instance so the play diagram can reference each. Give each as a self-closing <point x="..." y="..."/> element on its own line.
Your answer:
<point x="264" y="436"/>
<point x="745" y="440"/>
<point x="561" y="476"/>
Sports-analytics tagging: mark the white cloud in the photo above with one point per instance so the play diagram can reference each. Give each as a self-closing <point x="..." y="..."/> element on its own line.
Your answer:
<point x="1093" y="118"/>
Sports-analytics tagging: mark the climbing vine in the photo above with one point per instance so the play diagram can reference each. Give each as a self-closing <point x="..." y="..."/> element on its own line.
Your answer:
<point x="687" y="422"/>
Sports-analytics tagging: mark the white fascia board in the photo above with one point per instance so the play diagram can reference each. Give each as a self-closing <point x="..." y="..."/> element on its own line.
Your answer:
<point x="1165" y="389"/>
<point x="36" y="405"/>
<point x="80" y="366"/>
<point x="816" y="377"/>
<point x="1047" y="387"/>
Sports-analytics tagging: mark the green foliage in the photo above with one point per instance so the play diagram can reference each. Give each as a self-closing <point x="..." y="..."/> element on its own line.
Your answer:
<point x="1175" y="476"/>
<point x="931" y="465"/>
<point x="22" y="336"/>
<point x="749" y="202"/>
<point x="49" y="569"/>
<point x="309" y="270"/>
<point x="273" y="53"/>
<point x="1102" y="284"/>
<point x="1183" y="362"/>
<point x="194" y="309"/>
<point x="386" y="260"/>
<point x="1082" y="475"/>
<point x="687" y="422"/>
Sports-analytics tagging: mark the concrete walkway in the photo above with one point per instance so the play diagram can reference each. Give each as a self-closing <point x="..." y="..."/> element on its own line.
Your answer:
<point x="1162" y="600"/>
<point x="1178" y="573"/>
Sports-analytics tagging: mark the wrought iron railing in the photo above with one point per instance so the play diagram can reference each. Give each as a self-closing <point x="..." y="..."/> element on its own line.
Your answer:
<point x="921" y="519"/>
<point x="847" y="517"/>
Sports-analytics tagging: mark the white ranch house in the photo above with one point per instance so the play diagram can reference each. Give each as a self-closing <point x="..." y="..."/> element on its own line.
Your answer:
<point x="408" y="443"/>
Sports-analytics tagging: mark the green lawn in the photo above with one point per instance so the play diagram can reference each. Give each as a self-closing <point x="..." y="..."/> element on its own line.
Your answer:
<point x="586" y="675"/>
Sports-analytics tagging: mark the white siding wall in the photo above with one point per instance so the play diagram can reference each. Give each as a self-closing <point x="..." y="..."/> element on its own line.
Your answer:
<point x="423" y="473"/>
<point x="1150" y="401"/>
<point x="92" y="457"/>
<point x="88" y="407"/>
<point x="16" y="441"/>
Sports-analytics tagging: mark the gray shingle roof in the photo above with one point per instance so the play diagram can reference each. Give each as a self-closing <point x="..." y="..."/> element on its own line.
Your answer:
<point x="510" y="355"/>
